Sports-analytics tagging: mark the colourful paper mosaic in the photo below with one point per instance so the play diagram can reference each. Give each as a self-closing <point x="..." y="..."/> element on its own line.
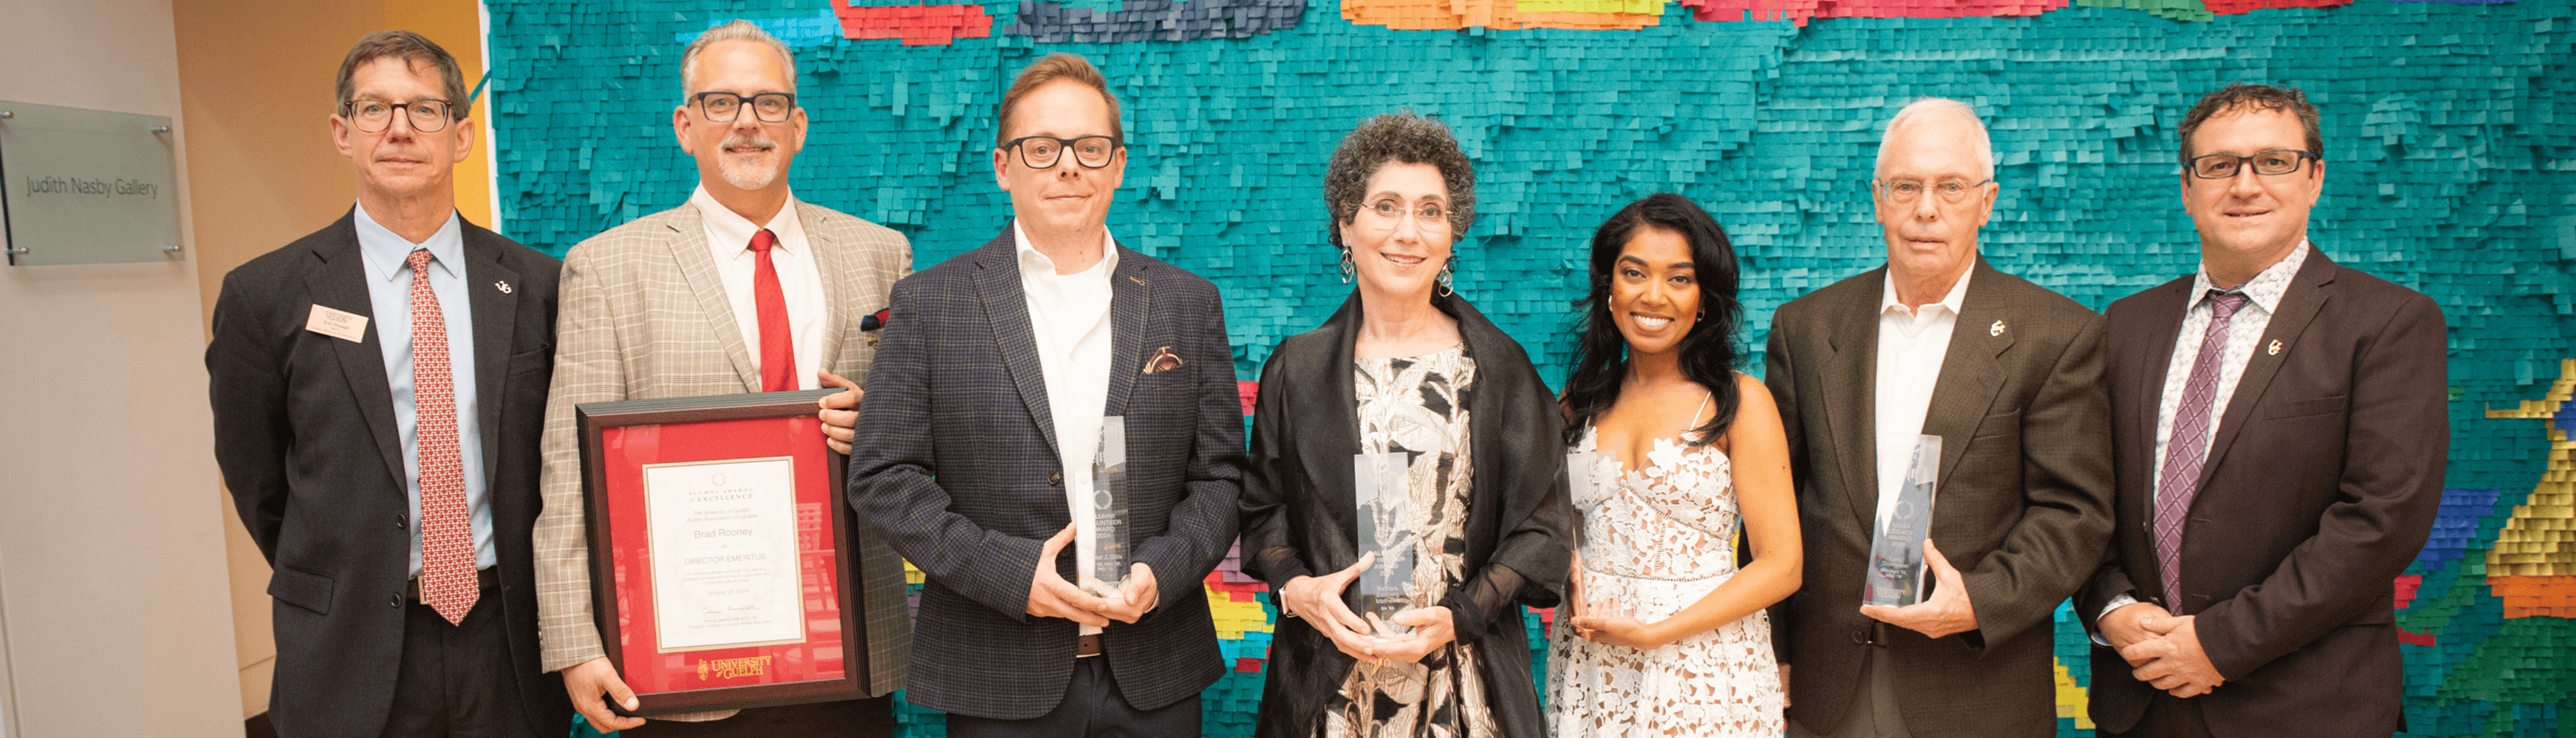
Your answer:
<point x="2450" y="134"/>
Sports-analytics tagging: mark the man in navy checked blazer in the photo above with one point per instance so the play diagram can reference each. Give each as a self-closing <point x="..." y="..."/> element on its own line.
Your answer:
<point x="985" y="409"/>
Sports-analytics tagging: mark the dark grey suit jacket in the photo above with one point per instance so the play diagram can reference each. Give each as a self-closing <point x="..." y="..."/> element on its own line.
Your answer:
<point x="306" y="437"/>
<point x="2023" y="506"/>
<point x="956" y="464"/>
<point x="2320" y="487"/>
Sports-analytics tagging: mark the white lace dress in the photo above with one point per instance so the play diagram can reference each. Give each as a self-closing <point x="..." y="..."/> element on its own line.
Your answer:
<point x="1659" y="539"/>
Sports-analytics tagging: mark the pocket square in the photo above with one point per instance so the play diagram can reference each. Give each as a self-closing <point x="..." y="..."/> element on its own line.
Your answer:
<point x="1162" y="360"/>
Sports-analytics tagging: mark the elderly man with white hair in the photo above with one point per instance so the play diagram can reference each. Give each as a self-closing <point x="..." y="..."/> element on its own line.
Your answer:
<point x="2008" y="375"/>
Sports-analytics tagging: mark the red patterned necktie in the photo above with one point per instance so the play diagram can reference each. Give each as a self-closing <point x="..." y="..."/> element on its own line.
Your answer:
<point x="2188" y="448"/>
<point x="446" y="536"/>
<point x="777" y="345"/>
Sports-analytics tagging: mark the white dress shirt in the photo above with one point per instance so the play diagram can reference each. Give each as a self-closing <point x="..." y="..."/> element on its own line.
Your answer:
<point x="386" y="258"/>
<point x="1069" y="315"/>
<point x="800" y="282"/>
<point x="1911" y="346"/>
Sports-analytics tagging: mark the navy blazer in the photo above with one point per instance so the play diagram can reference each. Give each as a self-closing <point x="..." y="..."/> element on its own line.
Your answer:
<point x="956" y="464"/>
<point x="2320" y="487"/>
<point x="305" y="436"/>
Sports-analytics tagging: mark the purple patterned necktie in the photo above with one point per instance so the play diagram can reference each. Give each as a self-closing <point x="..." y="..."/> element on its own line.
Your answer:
<point x="2189" y="446"/>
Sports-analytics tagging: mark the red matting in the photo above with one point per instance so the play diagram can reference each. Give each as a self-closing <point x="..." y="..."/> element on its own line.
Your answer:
<point x="627" y="449"/>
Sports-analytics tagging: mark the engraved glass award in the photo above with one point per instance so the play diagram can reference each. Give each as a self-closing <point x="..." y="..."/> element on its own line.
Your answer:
<point x="1377" y="483"/>
<point x="1105" y="560"/>
<point x="1896" y="553"/>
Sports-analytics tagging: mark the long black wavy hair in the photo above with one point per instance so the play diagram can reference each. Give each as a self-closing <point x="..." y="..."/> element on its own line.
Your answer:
<point x="1707" y="352"/>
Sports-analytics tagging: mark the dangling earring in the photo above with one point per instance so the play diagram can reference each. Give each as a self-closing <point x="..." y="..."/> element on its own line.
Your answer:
<point x="1348" y="268"/>
<point x="1446" y="278"/>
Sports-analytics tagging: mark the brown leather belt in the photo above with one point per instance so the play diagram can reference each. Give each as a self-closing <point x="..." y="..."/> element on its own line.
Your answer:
<point x="483" y="579"/>
<point x="1087" y="646"/>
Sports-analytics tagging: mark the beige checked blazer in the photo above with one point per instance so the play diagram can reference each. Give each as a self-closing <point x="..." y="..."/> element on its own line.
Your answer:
<point x="644" y="315"/>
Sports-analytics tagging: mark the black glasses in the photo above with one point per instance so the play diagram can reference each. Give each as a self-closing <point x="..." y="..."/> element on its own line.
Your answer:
<point x="2274" y="161"/>
<point x="1042" y="152"/>
<point x="372" y="116"/>
<point x="724" y="107"/>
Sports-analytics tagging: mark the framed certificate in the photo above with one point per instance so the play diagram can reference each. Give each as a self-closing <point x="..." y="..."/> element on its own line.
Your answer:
<point x="718" y="541"/>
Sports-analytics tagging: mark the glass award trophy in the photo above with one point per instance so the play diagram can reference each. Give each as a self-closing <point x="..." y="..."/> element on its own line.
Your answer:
<point x="1105" y="560"/>
<point x="1377" y="483"/>
<point x="1896" y="553"/>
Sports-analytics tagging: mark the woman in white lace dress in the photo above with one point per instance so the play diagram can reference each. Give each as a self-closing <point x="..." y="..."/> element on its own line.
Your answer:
<point x="1662" y="634"/>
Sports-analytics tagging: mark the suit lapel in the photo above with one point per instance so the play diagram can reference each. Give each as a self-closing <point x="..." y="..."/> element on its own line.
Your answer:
<point x="341" y="284"/>
<point x="1853" y="415"/>
<point x="2146" y="397"/>
<point x="689" y="248"/>
<point x="832" y="263"/>
<point x="1131" y="298"/>
<point x="1006" y="309"/>
<point x="2306" y="295"/>
<point x="495" y="325"/>
<point x="1970" y="374"/>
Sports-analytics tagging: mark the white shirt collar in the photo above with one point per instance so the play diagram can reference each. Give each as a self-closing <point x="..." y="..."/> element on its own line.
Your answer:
<point x="2264" y="290"/>
<point x="734" y="232"/>
<point x="1957" y="296"/>
<point x="385" y="251"/>
<point x="1034" y="263"/>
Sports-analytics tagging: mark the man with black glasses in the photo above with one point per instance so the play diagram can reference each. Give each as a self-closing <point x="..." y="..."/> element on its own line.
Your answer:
<point x="742" y="289"/>
<point x="377" y="390"/>
<point x="2280" y="440"/>
<point x="1021" y="382"/>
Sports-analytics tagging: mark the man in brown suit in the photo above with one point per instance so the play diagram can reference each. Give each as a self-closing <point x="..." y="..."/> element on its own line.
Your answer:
<point x="2280" y="437"/>
<point x="2008" y="374"/>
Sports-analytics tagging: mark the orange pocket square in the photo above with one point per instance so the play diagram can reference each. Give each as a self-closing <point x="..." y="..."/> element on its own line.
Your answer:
<point x="1162" y="360"/>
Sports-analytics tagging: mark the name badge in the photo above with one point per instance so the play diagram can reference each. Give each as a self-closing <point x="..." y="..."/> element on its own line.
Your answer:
<point x="340" y="324"/>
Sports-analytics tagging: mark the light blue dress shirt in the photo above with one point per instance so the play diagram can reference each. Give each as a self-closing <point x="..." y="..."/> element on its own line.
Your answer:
<point x="389" y="294"/>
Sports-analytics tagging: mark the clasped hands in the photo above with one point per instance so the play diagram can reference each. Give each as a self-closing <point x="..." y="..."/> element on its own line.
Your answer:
<point x="2162" y="649"/>
<point x="1946" y="612"/>
<point x="1319" y="601"/>
<point x="1050" y="596"/>
<point x="1612" y="629"/>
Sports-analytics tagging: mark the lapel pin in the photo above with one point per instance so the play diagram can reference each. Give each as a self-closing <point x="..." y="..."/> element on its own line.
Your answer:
<point x="1995" y="330"/>
<point x="504" y="287"/>
<point x="2275" y="348"/>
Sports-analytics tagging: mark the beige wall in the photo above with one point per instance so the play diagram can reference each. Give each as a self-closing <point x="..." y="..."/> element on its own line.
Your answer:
<point x="256" y="79"/>
<point x="112" y="599"/>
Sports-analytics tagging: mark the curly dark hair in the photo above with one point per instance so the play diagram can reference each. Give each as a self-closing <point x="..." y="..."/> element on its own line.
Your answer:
<point x="1397" y="137"/>
<point x="1707" y="351"/>
<point x="2238" y="95"/>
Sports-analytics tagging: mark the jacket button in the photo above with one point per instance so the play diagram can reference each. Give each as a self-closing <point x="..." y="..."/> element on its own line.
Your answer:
<point x="395" y="601"/>
<point x="1055" y="479"/>
<point x="1859" y="638"/>
<point x="399" y="522"/>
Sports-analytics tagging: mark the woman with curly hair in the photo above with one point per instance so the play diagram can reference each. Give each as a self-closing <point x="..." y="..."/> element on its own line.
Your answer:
<point x="1672" y="451"/>
<point x="1409" y="379"/>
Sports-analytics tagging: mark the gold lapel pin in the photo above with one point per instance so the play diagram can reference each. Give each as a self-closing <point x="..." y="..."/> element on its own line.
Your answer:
<point x="504" y="287"/>
<point x="1995" y="330"/>
<point x="2275" y="348"/>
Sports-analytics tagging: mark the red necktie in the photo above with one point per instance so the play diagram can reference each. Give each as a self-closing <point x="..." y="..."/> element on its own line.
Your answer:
<point x="446" y="535"/>
<point x="777" y="345"/>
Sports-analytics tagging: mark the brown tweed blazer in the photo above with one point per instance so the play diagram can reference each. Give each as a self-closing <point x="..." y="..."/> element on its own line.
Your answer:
<point x="2023" y="508"/>
<point x="644" y="315"/>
